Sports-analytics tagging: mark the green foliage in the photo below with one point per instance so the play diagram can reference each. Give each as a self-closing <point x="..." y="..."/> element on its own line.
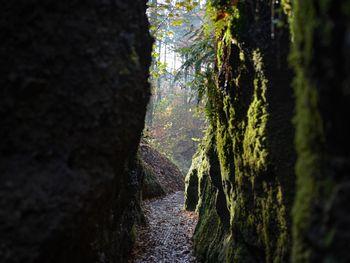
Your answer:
<point x="200" y="57"/>
<point x="168" y="12"/>
<point x="165" y="18"/>
<point x="159" y="68"/>
<point x="177" y="117"/>
<point x="175" y="125"/>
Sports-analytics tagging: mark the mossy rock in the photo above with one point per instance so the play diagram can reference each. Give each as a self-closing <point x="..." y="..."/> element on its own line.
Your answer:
<point x="244" y="204"/>
<point x="151" y="188"/>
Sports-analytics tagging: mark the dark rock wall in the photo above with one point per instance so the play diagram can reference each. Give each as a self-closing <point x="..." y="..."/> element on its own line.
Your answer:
<point x="321" y="58"/>
<point x="245" y="204"/>
<point x="73" y="81"/>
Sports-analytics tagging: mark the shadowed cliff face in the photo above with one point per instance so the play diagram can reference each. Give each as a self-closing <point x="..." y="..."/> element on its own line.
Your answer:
<point x="73" y="99"/>
<point x="321" y="58"/>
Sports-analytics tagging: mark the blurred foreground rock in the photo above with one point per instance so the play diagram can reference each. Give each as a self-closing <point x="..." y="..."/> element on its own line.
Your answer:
<point x="73" y="99"/>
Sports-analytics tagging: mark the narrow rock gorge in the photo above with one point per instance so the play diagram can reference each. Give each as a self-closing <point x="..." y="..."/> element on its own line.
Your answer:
<point x="268" y="84"/>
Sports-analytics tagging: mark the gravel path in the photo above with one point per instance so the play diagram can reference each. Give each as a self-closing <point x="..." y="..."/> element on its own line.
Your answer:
<point x="167" y="236"/>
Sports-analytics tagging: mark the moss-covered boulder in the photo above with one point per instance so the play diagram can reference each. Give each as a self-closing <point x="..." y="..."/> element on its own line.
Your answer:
<point x="151" y="187"/>
<point x="162" y="176"/>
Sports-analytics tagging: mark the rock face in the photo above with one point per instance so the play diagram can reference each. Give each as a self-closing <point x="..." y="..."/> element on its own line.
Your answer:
<point x="161" y="175"/>
<point x="321" y="57"/>
<point x="242" y="178"/>
<point x="243" y="175"/>
<point x="73" y="99"/>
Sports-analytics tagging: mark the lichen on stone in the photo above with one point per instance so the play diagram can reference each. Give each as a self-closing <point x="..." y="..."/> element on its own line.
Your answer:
<point x="256" y="201"/>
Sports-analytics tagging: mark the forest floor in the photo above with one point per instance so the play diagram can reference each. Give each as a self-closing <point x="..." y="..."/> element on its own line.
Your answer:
<point x="166" y="238"/>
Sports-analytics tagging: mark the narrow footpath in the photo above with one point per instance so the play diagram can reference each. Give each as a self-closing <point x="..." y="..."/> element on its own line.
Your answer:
<point x="166" y="238"/>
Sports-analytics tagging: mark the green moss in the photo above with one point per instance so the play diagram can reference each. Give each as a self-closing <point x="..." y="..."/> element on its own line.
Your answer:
<point x="309" y="132"/>
<point x="224" y="43"/>
<point x="223" y="26"/>
<point x="316" y="35"/>
<point x="257" y="228"/>
<point x="243" y="153"/>
<point x="133" y="233"/>
<point x="224" y="146"/>
<point x="287" y="7"/>
<point x="210" y="238"/>
<point x="254" y="144"/>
